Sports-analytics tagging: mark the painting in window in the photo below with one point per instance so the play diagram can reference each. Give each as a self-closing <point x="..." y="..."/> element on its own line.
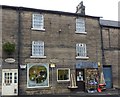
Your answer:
<point x="38" y="75"/>
<point x="63" y="74"/>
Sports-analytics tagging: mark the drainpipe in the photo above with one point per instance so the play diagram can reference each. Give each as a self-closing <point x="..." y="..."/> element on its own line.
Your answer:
<point x="19" y="45"/>
<point x="102" y="45"/>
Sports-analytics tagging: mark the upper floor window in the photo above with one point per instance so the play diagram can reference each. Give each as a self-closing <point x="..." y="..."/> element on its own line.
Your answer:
<point x="80" y="25"/>
<point x="38" y="21"/>
<point x="81" y="51"/>
<point x="38" y="48"/>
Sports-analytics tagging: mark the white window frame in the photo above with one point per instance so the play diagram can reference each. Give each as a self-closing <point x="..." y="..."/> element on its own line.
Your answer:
<point x="38" y="22"/>
<point x="81" y="51"/>
<point x="80" y="26"/>
<point x="38" y="49"/>
<point x="68" y="74"/>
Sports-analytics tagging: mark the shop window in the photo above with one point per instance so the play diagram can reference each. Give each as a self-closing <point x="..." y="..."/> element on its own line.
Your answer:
<point x="80" y="25"/>
<point x="91" y="80"/>
<point x="80" y="76"/>
<point x="38" y="22"/>
<point x="63" y="74"/>
<point x="37" y="75"/>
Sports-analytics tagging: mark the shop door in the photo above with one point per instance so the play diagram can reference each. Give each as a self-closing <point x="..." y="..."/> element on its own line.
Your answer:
<point x="80" y="79"/>
<point x="9" y="82"/>
<point x="107" y="71"/>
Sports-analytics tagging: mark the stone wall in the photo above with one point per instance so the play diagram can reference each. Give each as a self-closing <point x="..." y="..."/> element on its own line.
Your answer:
<point x="59" y="45"/>
<point x="111" y="49"/>
<point x="10" y="34"/>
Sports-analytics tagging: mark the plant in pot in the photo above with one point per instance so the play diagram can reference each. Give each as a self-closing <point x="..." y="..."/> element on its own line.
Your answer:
<point x="9" y="48"/>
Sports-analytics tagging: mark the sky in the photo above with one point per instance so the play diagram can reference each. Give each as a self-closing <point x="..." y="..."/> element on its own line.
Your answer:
<point x="107" y="9"/>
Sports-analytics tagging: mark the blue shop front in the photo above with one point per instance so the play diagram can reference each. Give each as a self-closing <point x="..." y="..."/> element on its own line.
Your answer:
<point x="87" y="76"/>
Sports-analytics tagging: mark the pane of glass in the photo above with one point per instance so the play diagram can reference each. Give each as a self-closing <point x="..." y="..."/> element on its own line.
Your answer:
<point x="37" y="21"/>
<point x="15" y="77"/>
<point x="10" y="80"/>
<point x="63" y="74"/>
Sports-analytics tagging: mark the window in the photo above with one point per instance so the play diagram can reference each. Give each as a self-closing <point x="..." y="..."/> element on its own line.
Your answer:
<point x="15" y="77"/>
<point x="63" y="74"/>
<point x="81" y="50"/>
<point x="80" y="25"/>
<point x="37" y="75"/>
<point x="38" y="21"/>
<point x="7" y="78"/>
<point x="37" y="48"/>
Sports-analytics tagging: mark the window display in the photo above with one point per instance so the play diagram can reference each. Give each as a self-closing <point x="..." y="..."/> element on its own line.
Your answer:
<point x="80" y="76"/>
<point x="37" y="75"/>
<point x="91" y="80"/>
<point x="63" y="74"/>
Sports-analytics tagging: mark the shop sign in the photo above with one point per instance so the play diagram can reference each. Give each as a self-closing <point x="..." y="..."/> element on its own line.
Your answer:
<point x="10" y="60"/>
<point x="82" y="64"/>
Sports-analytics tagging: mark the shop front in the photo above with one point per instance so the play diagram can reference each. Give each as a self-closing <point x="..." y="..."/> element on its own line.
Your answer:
<point x="87" y="76"/>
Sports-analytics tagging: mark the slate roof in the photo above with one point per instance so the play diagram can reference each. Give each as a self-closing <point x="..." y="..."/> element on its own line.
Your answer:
<point x="110" y="23"/>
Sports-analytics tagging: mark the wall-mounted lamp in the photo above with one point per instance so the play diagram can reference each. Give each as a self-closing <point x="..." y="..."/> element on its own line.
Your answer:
<point x="52" y="65"/>
<point x="99" y="64"/>
<point x="23" y="66"/>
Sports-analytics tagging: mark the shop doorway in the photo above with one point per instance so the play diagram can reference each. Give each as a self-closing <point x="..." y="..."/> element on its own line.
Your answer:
<point x="107" y="71"/>
<point x="80" y="79"/>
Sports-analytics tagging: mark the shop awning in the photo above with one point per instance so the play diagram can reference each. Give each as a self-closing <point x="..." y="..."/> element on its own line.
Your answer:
<point x="82" y="64"/>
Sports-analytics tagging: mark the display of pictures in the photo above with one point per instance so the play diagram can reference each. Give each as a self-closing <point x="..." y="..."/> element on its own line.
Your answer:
<point x="37" y="75"/>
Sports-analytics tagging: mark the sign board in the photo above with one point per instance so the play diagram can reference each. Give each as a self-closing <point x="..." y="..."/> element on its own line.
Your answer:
<point x="83" y="64"/>
<point x="10" y="60"/>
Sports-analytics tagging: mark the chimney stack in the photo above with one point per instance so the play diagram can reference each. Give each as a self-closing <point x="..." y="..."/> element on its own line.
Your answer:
<point x="80" y="8"/>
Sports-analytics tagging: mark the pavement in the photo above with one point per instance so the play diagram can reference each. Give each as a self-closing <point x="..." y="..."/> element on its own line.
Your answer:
<point x="105" y="93"/>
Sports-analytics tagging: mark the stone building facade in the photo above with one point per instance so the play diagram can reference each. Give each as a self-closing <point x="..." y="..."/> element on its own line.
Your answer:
<point x="56" y="52"/>
<point x="110" y="49"/>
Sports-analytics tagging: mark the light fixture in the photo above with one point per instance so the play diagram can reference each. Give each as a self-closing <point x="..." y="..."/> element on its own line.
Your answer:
<point x="52" y="65"/>
<point x="23" y="66"/>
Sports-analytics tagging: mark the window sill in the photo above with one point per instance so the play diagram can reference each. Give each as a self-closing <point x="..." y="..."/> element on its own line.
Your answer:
<point x="72" y="87"/>
<point x="78" y="57"/>
<point x="62" y="81"/>
<point x="40" y="57"/>
<point x="80" y="32"/>
<point x="38" y="29"/>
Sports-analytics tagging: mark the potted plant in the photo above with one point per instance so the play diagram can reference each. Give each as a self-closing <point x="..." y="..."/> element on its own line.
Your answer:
<point x="9" y="48"/>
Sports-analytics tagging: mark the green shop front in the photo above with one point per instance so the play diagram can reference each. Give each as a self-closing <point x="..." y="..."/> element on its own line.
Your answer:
<point x="87" y="76"/>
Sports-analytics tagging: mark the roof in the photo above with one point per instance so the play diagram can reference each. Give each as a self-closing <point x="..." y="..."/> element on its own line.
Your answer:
<point x="45" y="11"/>
<point x="110" y="23"/>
